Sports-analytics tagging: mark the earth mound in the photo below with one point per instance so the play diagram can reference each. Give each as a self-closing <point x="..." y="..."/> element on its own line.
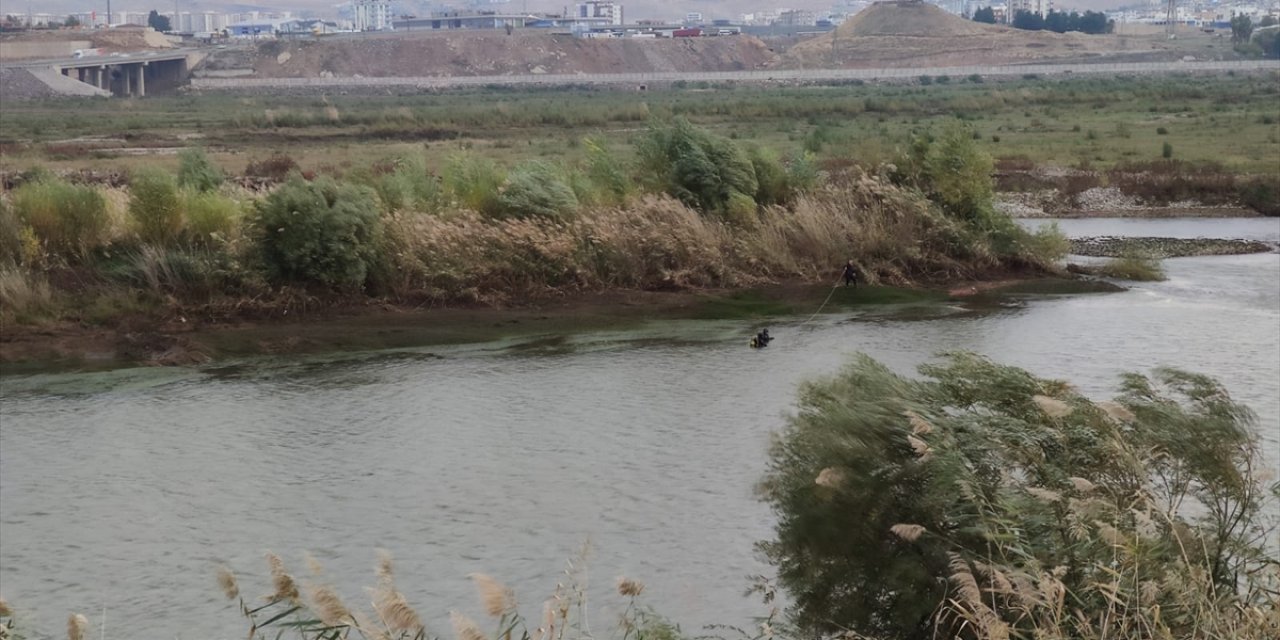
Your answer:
<point x="437" y="54"/>
<point x="910" y="33"/>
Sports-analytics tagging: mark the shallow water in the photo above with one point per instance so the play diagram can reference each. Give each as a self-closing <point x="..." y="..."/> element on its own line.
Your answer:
<point x="122" y="491"/>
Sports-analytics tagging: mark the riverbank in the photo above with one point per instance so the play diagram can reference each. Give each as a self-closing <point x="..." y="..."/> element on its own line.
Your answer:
<point x="178" y="338"/>
<point x="1160" y="248"/>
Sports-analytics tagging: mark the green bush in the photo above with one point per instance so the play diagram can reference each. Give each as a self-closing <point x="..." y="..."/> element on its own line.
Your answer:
<point x="1133" y="266"/>
<point x="702" y="170"/>
<point x="195" y="171"/>
<point x="952" y="171"/>
<point x="773" y="183"/>
<point x="1261" y="194"/>
<point x="473" y="182"/>
<point x="10" y="236"/>
<point x="1166" y="151"/>
<point x="610" y="181"/>
<point x="536" y="189"/>
<point x="71" y="220"/>
<point x="408" y="186"/>
<point x="155" y="207"/>
<point x="212" y="219"/>
<point x="948" y="506"/>
<point x="319" y="232"/>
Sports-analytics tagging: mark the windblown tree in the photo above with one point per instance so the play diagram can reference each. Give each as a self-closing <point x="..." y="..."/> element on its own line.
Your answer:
<point x="158" y="22"/>
<point x="983" y="502"/>
<point x="985" y="14"/>
<point x="1241" y="28"/>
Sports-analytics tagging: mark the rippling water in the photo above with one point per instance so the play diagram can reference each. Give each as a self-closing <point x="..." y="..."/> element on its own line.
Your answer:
<point x="122" y="491"/>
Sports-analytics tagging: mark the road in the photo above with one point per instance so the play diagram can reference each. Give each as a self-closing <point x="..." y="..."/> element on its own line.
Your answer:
<point x="779" y="75"/>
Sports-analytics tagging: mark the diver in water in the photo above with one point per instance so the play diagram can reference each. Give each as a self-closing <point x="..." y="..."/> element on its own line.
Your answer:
<point x="850" y="275"/>
<point x="761" y="340"/>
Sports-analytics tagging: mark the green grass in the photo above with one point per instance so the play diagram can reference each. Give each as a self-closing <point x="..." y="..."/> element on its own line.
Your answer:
<point x="1222" y="119"/>
<point x="1138" y="268"/>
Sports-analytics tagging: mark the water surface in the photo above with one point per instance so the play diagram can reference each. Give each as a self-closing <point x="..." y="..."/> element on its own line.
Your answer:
<point x="120" y="492"/>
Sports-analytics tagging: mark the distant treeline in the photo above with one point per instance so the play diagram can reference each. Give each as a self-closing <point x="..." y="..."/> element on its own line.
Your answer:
<point x="1057" y="21"/>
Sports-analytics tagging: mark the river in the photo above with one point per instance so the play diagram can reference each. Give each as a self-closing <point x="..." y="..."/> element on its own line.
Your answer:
<point x="122" y="491"/>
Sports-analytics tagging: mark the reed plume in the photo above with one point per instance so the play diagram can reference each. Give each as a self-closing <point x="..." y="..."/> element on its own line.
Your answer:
<point x="630" y="588"/>
<point x="465" y="628"/>
<point x="497" y="598"/>
<point x="284" y="586"/>
<point x="227" y="582"/>
<point x="77" y="626"/>
<point x="908" y="532"/>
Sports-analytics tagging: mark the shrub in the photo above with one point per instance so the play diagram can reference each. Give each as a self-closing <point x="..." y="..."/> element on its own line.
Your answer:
<point x="536" y="189"/>
<point x="211" y="218"/>
<point x="952" y="170"/>
<point x="10" y="236"/>
<point x="1135" y="267"/>
<point x="277" y="167"/>
<point x="610" y="181"/>
<point x="700" y="169"/>
<point x="474" y="182"/>
<point x="69" y="219"/>
<point x="195" y="171"/>
<point x="1161" y="131"/>
<point x="984" y="502"/>
<point x="318" y="232"/>
<point x="155" y="206"/>
<point x="408" y="186"/>
<point x="24" y="296"/>
<point x="1261" y="194"/>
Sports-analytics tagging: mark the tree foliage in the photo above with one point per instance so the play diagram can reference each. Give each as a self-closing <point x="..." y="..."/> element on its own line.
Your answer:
<point x="319" y="232"/>
<point x="983" y="502"/>
<point x="155" y="206"/>
<point x="158" y="22"/>
<point x="985" y="14"/>
<point x="1091" y="22"/>
<point x="1241" y="28"/>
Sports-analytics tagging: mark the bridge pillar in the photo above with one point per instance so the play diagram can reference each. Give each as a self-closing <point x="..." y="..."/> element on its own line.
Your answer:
<point x="142" y="80"/>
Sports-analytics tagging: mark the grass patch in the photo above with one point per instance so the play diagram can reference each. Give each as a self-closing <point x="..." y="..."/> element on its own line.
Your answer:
<point x="1133" y="267"/>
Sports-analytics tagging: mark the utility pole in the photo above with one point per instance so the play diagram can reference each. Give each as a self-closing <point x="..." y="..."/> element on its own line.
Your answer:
<point x="108" y="23"/>
<point x="1170" y="15"/>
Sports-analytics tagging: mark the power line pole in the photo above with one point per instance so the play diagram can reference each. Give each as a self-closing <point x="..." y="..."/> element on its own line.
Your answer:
<point x="1170" y="15"/>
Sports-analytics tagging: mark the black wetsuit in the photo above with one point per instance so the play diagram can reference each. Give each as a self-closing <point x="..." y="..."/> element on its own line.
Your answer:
<point x="850" y="275"/>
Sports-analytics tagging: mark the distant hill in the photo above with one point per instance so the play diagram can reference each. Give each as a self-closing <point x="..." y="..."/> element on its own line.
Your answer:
<point x="909" y="33"/>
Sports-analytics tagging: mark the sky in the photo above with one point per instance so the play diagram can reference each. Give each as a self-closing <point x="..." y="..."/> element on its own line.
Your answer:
<point x="635" y="9"/>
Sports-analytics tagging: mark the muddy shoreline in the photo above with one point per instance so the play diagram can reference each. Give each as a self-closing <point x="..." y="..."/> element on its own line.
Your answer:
<point x="174" y="339"/>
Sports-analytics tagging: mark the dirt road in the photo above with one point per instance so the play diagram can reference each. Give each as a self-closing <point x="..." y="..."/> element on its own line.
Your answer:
<point x="772" y="76"/>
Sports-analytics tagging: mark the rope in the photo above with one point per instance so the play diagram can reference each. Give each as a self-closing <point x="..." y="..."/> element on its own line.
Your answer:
<point x="824" y="305"/>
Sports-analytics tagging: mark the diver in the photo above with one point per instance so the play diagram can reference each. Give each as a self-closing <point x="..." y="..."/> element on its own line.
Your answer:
<point x="761" y="340"/>
<point x="850" y="274"/>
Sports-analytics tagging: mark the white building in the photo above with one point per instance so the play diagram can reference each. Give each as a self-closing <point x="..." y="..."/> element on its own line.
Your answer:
<point x="599" y="11"/>
<point x="371" y="15"/>
<point x="1041" y="7"/>
<point x="693" y="17"/>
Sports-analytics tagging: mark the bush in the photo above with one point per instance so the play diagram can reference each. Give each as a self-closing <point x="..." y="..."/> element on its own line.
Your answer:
<point x="277" y="167"/>
<point x="702" y="170"/>
<point x="1135" y="267"/>
<point x="10" y="236"/>
<point x="1161" y="131"/>
<point x="952" y="171"/>
<point x="474" y="183"/>
<point x="1166" y="151"/>
<point x="69" y="219"/>
<point x="408" y="186"/>
<point x="212" y="219"/>
<point x="155" y="206"/>
<point x="536" y="189"/>
<point x="195" y="171"/>
<point x="319" y="232"/>
<point x="24" y="296"/>
<point x="1262" y="195"/>
<point x="610" y="181"/>
<point x="983" y="502"/>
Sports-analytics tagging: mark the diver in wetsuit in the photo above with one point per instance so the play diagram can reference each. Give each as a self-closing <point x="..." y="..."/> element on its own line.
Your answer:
<point x="850" y="275"/>
<point x="761" y="340"/>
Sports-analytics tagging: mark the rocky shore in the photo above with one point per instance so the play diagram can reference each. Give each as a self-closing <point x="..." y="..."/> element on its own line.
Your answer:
<point x="1114" y="247"/>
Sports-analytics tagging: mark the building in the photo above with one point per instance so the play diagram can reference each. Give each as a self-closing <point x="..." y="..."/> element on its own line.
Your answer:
<point x="371" y="15"/>
<point x="598" y="12"/>
<point x="467" y="21"/>
<point x="693" y="17"/>
<point x="1041" y="7"/>
<point x="796" y="18"/>
<point x="254" y="29"/>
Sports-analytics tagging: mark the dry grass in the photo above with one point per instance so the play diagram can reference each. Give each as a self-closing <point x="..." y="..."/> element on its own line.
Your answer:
<point x="25" y="296"/>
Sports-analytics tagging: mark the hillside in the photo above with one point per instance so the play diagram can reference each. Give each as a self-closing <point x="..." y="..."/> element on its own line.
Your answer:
<point x="908" y="33"/>
<point x="491" y="53"/>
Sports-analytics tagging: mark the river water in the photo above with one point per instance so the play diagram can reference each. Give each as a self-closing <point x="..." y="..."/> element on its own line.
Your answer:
<point x="121" y="492"/>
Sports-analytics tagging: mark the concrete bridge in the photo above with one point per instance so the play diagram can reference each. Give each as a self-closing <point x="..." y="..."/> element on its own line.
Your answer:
<point x="126" y="74"/>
